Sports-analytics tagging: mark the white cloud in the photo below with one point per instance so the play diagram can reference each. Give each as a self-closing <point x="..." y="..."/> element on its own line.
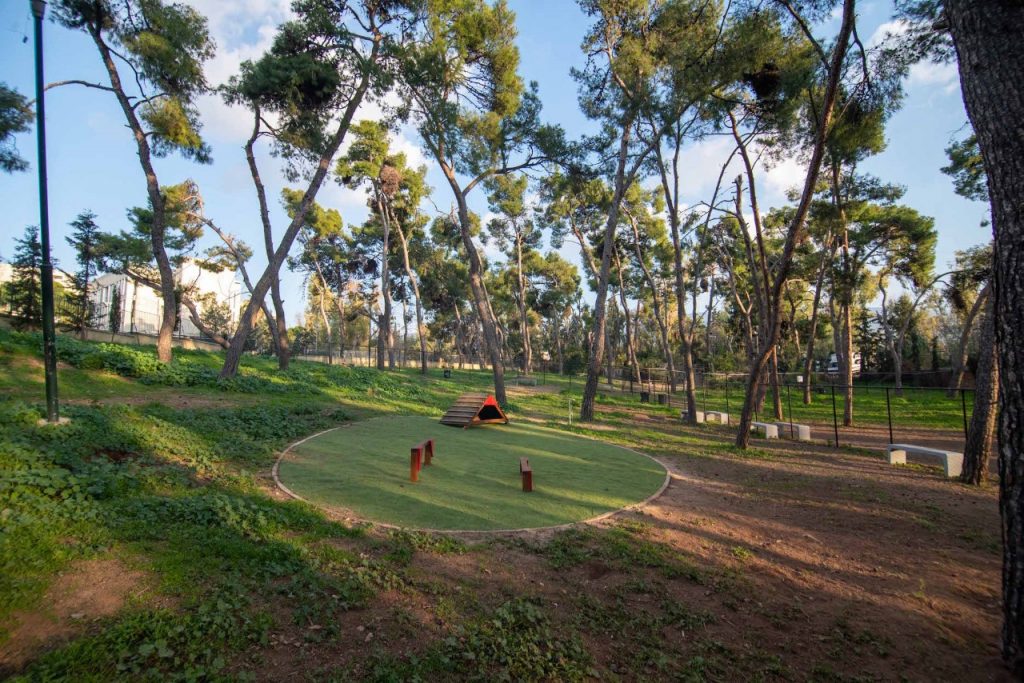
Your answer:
<point x="886" y="30"/>
<point x="925" y="73"/>
<point x="700" y="164"/>
<point x="784" y="176"/>
<point x="414" y="156"/>
<point x="931" y="75"/>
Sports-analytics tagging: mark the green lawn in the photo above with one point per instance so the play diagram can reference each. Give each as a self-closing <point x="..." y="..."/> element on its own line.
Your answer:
<point x="474" y="482"/>
<point x="916" y="408"/>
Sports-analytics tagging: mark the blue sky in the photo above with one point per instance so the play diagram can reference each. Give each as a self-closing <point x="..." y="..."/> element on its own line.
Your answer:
<point x="92" y="162"/>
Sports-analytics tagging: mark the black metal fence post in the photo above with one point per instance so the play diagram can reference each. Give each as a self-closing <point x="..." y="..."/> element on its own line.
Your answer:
<point x="727" y="394"/>
<point x="963" y="408"/>
<point x="704" y="382"/>
<point x="835" y="416"/>
<point x="789" y="398"/>
<point x="888" y="411"/>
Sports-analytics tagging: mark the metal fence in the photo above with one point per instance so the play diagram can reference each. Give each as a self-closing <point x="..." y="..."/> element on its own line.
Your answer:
<point x="881" y="413"/>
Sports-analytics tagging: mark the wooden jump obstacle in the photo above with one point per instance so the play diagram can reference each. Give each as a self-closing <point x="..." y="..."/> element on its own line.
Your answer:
<point x="420" y="456"/>
<point x="474" y="409"/>
<point x="527" y="474"/>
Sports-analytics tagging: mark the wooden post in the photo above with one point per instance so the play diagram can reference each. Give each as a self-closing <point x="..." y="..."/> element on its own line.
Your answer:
<point x="414" y="464"/>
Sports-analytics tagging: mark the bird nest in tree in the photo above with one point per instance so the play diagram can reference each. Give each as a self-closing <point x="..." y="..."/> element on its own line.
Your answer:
<point x="390" y="179"/>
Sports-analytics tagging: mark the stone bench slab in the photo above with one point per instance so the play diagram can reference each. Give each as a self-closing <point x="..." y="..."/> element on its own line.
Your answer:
<point x="770" y="431"/>
<point x="699" y="414"/>
<point x="717" y="416"/>
<point x="952" y="462"/>
<point x="801" y="432"/>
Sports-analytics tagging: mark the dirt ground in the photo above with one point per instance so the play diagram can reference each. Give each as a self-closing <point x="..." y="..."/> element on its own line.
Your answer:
<point x="91" y="590"/>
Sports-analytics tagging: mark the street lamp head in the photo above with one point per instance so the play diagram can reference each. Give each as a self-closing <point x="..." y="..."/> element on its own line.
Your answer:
<point x="38" y="8"/>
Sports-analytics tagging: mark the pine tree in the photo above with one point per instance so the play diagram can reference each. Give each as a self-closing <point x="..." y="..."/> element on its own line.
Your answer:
<point x="25" y="288"/>
<point x="84" y="239"/>
<point x="116" y="315"/>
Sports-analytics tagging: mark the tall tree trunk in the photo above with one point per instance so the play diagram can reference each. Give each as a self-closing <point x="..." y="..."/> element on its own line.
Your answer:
<point x="421" y="328"/>
<point x="339" y="303"/>
<point x="278" y="324"/>
<point x="960" y="361"/>
<point x="982" y="430"/>
<point x="600" y="302"/>
<point x="813" y="333"/>
<point x="796" y="227"/>
<point x="476" y="286"/>
<point x="630" y="334"/>
<point x="158" y="228"/>
<point x="671" y="193"/>
<point x="233" y="356"/>
<point x="327" y="324"/>
<point x="666" y="350"/>
<point x="991" y="61"/>
<point x="846" y="363"/>
<point x="385" y="335"/>
<point x="524" y="322"/>
<point x="460" y="333"/>
<point x="776" y="384"/>
<point x="558" y="341"/>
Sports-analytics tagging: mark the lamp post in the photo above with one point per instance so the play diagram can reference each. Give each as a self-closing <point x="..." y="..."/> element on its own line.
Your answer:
<point x="49" y="342"/>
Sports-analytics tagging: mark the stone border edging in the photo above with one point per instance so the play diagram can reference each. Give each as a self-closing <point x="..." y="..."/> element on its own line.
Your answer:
<point x="275" y="473"/>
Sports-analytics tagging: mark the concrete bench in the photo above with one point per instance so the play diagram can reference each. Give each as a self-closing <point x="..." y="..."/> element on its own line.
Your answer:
<point x="699" y="414"/>
<point x="770" y="431"/>
<point x="717" y="416"/>
<point x="952" y="462"/>
<point x="800" y="432"/>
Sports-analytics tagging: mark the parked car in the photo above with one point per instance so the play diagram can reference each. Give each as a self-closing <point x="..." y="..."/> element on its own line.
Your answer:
<point x="833" y="364"/>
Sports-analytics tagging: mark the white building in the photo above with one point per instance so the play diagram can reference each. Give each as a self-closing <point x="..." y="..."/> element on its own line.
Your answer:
<point x="142" y="307"/>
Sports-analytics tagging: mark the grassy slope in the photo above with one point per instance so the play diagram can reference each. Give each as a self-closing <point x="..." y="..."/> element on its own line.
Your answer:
<point x="474" y="481"/>
<point x="173" y="482"/>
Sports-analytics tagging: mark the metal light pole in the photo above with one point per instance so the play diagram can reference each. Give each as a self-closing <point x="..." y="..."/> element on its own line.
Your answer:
<point x="49" y="346"/>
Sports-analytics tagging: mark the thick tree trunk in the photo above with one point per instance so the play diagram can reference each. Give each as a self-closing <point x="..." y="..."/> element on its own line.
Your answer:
<point x="960" y="361"/>
<point x="981" y="433"/>
<point x="986" y="34"/>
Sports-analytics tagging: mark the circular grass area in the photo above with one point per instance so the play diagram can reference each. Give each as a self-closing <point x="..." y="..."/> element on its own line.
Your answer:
<point x="474" y="482"/>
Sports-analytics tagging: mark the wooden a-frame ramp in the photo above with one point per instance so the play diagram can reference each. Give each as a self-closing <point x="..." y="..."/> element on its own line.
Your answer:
<point x="474" y="409"/>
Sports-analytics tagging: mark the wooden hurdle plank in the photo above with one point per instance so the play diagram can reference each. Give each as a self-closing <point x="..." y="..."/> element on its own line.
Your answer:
<point x="527" y="474"/>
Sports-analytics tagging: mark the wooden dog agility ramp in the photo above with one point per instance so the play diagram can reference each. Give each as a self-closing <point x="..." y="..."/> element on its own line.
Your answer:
<point x="474" y="409"/>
